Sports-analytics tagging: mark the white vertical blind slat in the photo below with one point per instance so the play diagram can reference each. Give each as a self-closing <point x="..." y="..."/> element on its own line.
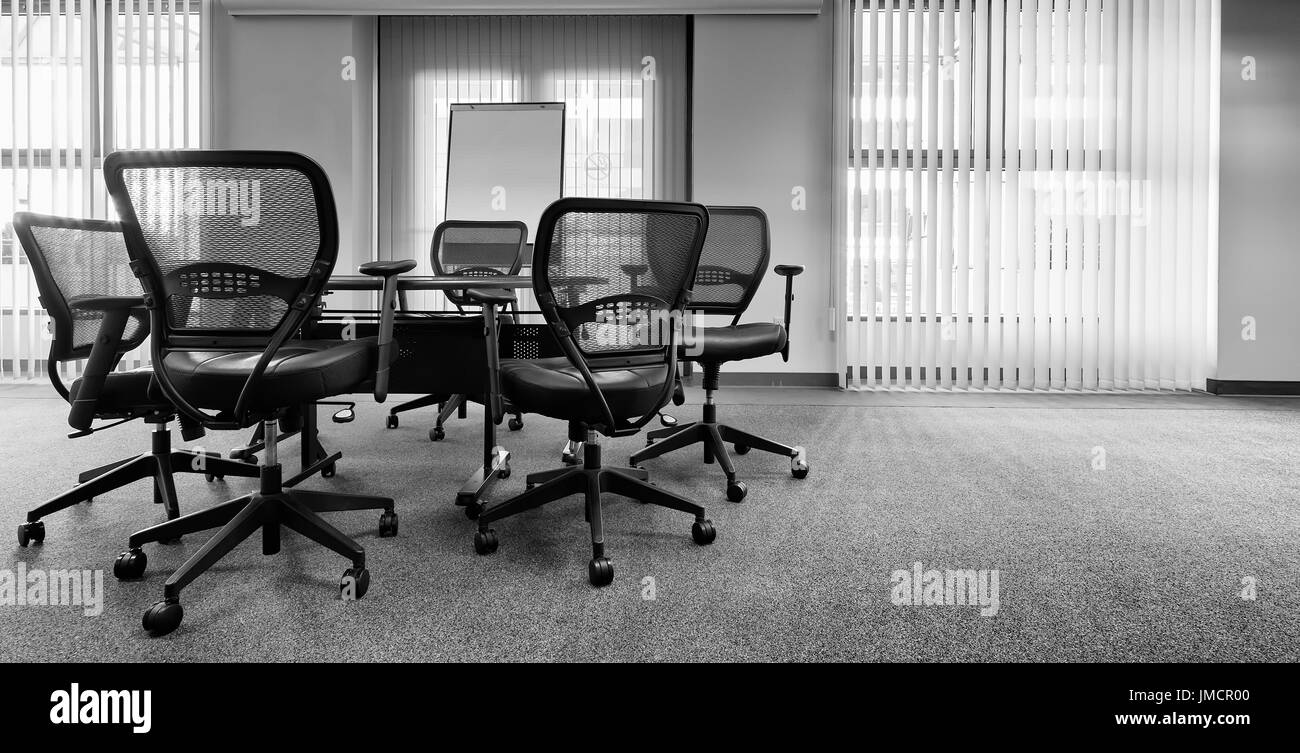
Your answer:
<point x="870" y="231"/>
<point x="947" y="206"/>
<point x="993" y="356"/>
<point x="931" y="270"/>
<point x="965" y="119"/>
<point x="917" y="226"/>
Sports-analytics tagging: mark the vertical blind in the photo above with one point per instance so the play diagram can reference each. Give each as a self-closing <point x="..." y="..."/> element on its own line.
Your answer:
<point x="83" y="79"/>
<point x="1031" y="193"/>
<point x="623" y="80"/>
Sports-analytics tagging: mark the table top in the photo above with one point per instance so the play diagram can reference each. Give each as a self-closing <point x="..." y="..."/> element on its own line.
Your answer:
<point x="452" y="282"/>
<point x="429" y="282"/>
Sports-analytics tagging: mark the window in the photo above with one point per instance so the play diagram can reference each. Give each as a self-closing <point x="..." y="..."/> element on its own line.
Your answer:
<point x="622" y="79"/>
<point x="84" y="79"/>
<point x="1024" y="178"/>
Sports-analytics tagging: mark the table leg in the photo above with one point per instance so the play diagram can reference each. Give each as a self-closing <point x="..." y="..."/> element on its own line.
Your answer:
<point x="496" y="459"/>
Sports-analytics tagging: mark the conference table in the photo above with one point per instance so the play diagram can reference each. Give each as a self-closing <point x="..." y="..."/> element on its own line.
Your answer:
<point x="434" y="347"/>
<point x="496" y="459"/>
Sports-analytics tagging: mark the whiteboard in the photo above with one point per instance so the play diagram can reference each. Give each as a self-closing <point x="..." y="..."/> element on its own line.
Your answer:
<point x="505" y="161"/>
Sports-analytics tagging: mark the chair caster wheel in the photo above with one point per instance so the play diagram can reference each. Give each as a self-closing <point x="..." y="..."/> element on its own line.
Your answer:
<point x="742" y="449"/>
<point x="387" y="524"/>
<point x="354" y="584"/>
<point x="436" y="434"/>
<point x="31" y="532"/>
<point x="213" y="477"/>
<point x="600" y="571"/>
<point x="130" y="564"/>
<point x="92" y="499"/>
<point x="736" y="491"/>
<point x="703" y="532"/>
<point x="799" y="463"/>
<point x="391" y="422"/>
<point x="163" y="617"/>
<point x="503" y="472"/>
<point x="515" y="424"/>
<point x="328" y="471"/>
<point x="485" y="542"/>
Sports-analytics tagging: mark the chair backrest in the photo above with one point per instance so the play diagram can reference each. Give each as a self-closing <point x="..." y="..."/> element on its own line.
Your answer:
<point x="733" y="261"/>
<point x="76" y="258"/>
<point x="477" y="249"/>
<point x="236" y="245"/>
<point x="607" y="269"/>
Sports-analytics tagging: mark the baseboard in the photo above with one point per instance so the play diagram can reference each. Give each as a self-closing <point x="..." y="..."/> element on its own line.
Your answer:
<point x="1249" y="387"/>
<point x="770" y="379"/>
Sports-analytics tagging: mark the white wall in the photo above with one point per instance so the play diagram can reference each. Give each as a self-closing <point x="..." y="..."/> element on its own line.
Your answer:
<point x="278" y="84"/>
<point x="1259" y="227"/>
<point x="762" y="126"/>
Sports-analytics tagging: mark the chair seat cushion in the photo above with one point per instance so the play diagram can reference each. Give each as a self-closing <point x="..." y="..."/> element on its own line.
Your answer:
<point x="743" y="341"/>
<point x="553" y="387"/>
<point x="302" y="371"/>
<point x="125" y="393"/>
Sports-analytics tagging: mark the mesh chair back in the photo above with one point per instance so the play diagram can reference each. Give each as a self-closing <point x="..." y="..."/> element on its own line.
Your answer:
<point x="75" y="258"/>
<point x="477" y="249"/>
<point x="233" y="241"/>
<point x="733" y="261"/>
<point x="610" y="270"/>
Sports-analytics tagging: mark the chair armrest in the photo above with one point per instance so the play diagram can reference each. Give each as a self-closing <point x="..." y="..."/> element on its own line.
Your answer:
<point x="106" y="302"/>
<point x="491" y="296"/>
<point x="386" y="268"/>
<point x="489" y="299"/>
<point x="389" y="270"/>
<point x="103" y="355"/>
<point x="789" y="272"/>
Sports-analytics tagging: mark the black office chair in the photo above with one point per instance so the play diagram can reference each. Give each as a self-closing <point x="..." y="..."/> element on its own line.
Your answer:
<point x="469" y="249"/>
<point x="233" y="249"/>
<point x="85" y="284"/>
<point x="732" y="266"/>
<point x="620" y="362"/>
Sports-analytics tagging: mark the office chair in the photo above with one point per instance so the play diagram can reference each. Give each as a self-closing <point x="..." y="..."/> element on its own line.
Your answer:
<point x="469" y="249"/>
<point x="233" y="249"/>
<point x="732" y="266"/>
<point x="94" y="302"/>
<point x="620" y="350"/>
<point x="85" y="285"/>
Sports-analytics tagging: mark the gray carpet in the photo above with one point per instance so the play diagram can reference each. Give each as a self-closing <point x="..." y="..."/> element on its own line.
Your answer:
<point x="1141" y="561"/>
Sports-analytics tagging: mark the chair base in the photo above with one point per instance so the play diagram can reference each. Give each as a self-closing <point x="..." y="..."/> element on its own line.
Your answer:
<point x="446" y="406"/>
<point x="715" y="437"/>
<point x="590" y="480"/>
<point x="269" y="510"/>
<point x="160" y="464"/>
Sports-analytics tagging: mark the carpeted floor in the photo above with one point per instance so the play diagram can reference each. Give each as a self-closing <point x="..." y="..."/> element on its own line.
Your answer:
<point x="1143" y="560"/>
